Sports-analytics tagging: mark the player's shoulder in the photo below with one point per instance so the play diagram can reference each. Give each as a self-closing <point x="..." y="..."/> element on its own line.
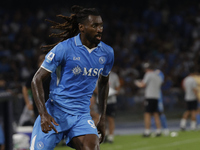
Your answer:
<point x="189" y="79"/>
<point x="106" y="47"/>
<point x="158" y="71"/>
<point x="150" y="74"/>
<point x="65" y="46"/>
<point x="67" y="42"/>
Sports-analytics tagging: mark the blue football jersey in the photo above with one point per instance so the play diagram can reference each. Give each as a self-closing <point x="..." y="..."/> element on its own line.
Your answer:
<point x="75" y="71"/>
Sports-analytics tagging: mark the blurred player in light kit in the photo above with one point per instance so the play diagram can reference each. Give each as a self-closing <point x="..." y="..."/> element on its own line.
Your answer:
<point x="152" y="84"/>
<point x="191" y="96"/>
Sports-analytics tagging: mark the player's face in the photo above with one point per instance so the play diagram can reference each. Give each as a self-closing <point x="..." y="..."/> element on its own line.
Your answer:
<point x="93" y="29"/>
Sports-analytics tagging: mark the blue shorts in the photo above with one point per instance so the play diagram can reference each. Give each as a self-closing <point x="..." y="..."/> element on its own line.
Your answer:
<point x="69" y="126"/>
<point x="2" y="139"/>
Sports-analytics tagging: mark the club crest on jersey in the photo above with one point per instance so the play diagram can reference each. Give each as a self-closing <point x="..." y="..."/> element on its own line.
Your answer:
<point x="76" y="70"/>
<point x="40" y="145"/>
<point x="102" y="59"/>
<point x="50" y="57"/>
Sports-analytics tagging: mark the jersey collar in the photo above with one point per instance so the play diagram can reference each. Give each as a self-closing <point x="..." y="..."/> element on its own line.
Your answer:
<point x="78" y="42"/>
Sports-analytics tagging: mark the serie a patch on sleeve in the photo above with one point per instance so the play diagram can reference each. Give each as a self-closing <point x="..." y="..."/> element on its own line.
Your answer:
<point x="50" y="57"/>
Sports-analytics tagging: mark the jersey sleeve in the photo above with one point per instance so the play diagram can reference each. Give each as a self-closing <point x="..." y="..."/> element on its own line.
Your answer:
<point x="54" y="58"/>
<point x="110" y="61"/>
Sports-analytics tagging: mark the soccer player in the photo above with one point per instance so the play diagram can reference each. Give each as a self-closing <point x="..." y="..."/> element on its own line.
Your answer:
<point x="152" y="84"/>
<point x="191" y="96"/>
<point x="75" y="64"/>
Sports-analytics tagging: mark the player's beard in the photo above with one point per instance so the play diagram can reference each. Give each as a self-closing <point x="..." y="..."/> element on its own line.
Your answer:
<point x="92" y="40"/>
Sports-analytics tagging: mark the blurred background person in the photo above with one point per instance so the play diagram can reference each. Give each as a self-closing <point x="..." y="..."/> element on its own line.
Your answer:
<point x="197" y="79"/>
<point x="152" y="84"/>
<point x="163" y="118"/>
<point x="191" y="96"/>
<point x="114" y="88"/>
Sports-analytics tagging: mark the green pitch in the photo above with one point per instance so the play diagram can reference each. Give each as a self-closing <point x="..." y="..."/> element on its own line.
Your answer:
<point x="188" y="140"/>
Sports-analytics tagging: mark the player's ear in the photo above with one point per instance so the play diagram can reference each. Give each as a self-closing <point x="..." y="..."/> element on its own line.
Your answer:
<point x="81" y="27"/>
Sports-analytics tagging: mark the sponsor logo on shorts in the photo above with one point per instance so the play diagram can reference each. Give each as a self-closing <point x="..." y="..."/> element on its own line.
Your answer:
<point x="91" y="123"/>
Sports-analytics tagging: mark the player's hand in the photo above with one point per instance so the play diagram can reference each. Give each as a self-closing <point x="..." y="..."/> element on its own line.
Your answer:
<point x="136" y="82"/>
<point x="101" y="129"/>
<point x="46" y="123"/>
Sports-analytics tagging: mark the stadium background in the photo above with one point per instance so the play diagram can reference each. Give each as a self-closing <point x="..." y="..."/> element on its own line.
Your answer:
<point x="165" y="32"/>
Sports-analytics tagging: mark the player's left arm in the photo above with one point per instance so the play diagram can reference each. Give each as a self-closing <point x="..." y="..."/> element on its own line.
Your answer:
<point x="103" y="88"/>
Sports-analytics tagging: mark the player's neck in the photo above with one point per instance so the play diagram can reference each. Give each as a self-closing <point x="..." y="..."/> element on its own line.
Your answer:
<point x="87" y="42"/>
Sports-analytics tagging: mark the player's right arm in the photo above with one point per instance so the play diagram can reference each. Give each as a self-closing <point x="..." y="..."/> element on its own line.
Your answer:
<point x="140" y="84"/>
<point x="38" y="95"/>
<point x="53" y="59"/>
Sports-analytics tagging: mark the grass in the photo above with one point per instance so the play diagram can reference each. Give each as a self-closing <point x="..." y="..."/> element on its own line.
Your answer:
<point x="187" y="140"/>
